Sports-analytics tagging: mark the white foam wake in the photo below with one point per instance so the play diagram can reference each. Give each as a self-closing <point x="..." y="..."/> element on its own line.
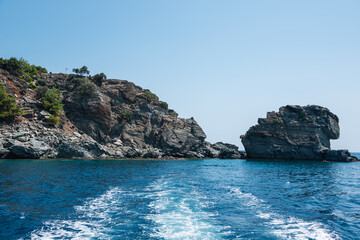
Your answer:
<point x="178" y="212"/>
<point x="92" y="220"/>
<point x="284" y="227"/>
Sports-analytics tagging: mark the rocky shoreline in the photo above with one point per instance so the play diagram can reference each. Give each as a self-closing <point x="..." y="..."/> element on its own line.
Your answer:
<point x="116" y="120"/>
<point x="30" y="140"/>
<point x="83" y="116"/>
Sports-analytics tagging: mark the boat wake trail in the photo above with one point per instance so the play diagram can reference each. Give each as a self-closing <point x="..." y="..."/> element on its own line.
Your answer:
<point x="92" y="219"/>
<point x="283" y="227"/>
<point x="178" y="211"/>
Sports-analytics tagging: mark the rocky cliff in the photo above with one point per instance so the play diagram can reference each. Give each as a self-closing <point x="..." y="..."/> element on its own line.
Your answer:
<point x="112" y="119"/>
<point x="295" y="133"/>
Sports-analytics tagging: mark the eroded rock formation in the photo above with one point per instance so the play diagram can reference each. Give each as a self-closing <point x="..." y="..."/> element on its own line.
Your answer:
<point x="117" y="120"/>
<point x="295" y="133"/>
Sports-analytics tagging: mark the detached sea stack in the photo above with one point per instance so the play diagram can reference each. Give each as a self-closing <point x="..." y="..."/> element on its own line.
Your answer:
<point x="295" y="133"/>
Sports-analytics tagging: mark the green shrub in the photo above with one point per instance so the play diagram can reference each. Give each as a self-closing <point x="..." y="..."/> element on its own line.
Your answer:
<point x="40" y="91"/>
<point x="77" y="81"/>
<point x="42" y="82"/>
<point x="86" y="87"/>
<point x="83" y="85"/>
<point x="21" y="68"/>
<point x="41" y="69"/>
<point x="164" y="105"/>
<point x="52" y="120"/>
<point x="125" y="115"/>
<point x="151" y="96"/>
<point x="32" y="84"/>
<point x="276" y="121"/>
<point x="302" y="116"/>
<point x="12" y="65"/>
<point x="52" y="102"/>
<point x="98" y="78"/>
<point x="8" y="109"/>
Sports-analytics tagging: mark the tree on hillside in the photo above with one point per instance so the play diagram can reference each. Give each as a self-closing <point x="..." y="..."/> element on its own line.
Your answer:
<point x="52" y="102"/>
<point x="82" y="71"/>
<point x="8" y="109"/>
<point x="98" y="78"/>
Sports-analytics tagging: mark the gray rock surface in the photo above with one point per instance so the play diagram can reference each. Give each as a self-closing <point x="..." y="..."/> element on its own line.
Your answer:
<point x="228" y="151"/>
<point x="295" y="133"/>
<point x="32" y="149"/>
<point x="118" y="120"/>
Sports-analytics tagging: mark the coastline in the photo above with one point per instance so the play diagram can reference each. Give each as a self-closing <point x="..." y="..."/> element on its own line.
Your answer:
<point x="175" y="159"/>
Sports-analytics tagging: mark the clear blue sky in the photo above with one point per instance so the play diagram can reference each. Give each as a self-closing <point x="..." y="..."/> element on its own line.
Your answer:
<point x="226" y="63"/>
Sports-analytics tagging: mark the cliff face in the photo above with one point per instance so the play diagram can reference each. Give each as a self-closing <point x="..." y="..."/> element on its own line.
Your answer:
<point x="297" y="133"/>
<point x="118" y="119"/>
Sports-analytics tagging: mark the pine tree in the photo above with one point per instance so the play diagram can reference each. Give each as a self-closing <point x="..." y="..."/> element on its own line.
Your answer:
<point x="8" y="109"/>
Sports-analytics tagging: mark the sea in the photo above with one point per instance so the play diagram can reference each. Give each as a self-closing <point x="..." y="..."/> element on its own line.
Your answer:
<point x="179" y="199"/>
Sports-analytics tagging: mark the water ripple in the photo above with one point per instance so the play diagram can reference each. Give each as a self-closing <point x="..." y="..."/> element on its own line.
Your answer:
<point x="284" y="227"/>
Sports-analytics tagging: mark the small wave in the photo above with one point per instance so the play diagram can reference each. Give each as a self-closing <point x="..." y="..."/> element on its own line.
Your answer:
<point x="179" y="213"/>
<point x="282" y="226"/>
<point x="92" y="220"/>
<point x="248" y="199"/>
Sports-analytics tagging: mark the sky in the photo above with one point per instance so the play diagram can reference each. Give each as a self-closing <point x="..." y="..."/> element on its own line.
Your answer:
<point x="225" y="63"/>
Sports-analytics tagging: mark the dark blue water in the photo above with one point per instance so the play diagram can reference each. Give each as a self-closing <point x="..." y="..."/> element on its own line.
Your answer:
<point x="198" y="199"/>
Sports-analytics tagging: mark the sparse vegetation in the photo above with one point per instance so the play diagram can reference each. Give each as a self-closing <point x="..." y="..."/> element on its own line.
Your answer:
<point x="86" y="87"/>
<point x="21" y="68"/>
<point x="52" y="120"/>
<point x="98" y="78"/>
<point x="276" y="121"/>
<point x="125" y="115"/>
<point x="42" y="82"/>
<point x="32" y="84"/>
<point x="40" y="91"/>
<point x="151" y="96"/>
<point x="302" y="116"/>
<point x="77" y="80"/>
<point x="8" y="109"/>
<point x="164" y="105"/>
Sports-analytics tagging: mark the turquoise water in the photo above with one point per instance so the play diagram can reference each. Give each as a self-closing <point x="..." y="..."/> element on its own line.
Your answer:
<point x="192" y="199"/>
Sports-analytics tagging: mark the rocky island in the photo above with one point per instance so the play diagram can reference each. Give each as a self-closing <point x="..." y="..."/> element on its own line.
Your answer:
<point x="45" y="115"/>
<point x="295" y="133"/>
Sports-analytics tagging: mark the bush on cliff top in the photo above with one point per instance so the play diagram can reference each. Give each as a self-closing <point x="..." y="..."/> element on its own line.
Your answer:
<point x="8" y="109"/>
<point x="151" y="96"/>
<point x="21" y="68"/>
<point x="98" y="78"/>
<point x="164" y="105"/>
<point x="84" y="86"/>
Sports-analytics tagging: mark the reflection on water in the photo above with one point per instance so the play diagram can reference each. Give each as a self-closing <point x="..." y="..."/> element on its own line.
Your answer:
<point x="194" y="199"/>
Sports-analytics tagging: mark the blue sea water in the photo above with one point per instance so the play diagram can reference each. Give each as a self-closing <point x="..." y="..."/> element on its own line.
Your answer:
<point x="189" y="199"/>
